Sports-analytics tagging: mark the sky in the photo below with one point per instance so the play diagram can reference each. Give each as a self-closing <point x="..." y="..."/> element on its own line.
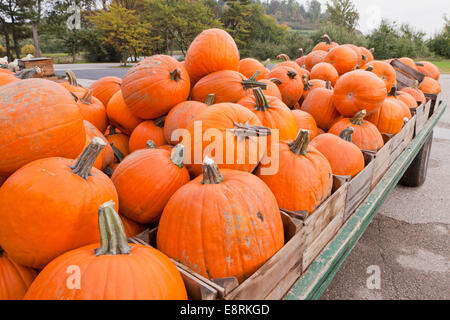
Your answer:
<point x="423" y="15"/>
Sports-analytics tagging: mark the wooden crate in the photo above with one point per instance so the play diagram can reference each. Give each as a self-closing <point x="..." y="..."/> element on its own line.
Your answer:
<point x="401" y="140"/>
<point x="46" y="65"/>
<point x="381" y="163"/>
<point x="422" y="115"/>
<point x="435" y="102"/>
<point x="406" y="76"/>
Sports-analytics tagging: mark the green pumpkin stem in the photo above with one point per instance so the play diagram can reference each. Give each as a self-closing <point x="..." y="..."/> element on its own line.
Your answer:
<point x="292" y="74"/>
<point x="254" y="77"/>
<point x="72" y="79"/>
<point x="346" y="134"/>
<point x="358" y="118"/>
<point x="277" y="81"/>
<point x="210" y="99"/>
<point x="159" y="122"/>
<point x="87" y="97"/>
<point x="150" y="144"/>
<point x="249" y="84"/>
<point x="175" y="75"/>
<point x="300" y="145"/>
<point x="113" y="240"/>
<point x="117" y="153"/>
<point x="262" y="104"/>
<point x="85" y="162"/>
<point x="211" y="173"/>
<point x="177" y="155"/>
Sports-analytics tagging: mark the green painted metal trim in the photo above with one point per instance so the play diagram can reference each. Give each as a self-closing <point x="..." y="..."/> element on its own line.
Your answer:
<point x="316" y="279"/>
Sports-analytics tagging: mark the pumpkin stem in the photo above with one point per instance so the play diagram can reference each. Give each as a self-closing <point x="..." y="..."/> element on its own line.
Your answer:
<point x="87" y="98"/>
<point x="393" y="91"/>
<point x="159" y="122"/>
<point x="358" y="118"/>
<point x="85" y="162"/>
<point x="300" y="145"/>
<point x="369" y="68"/>
<point x="277" y="81"/>
<point x="419" y="64"/>
<point x="266" y="62"/>
<point x="210" y="99"/>
<point x="177" y="155"/>
<point x="254" y="76"/>
<point x="117" y="153"/>
<point x="283" y="57"/>
<point x="300" y="53"/>
<point x="150" y="144"/>
<point x="346" y="134"/>
<point x="291" y="74"/>
<point x="175" y="75"/>
<point x="245" y="130"/>
<point x="72" y="79"/>
<point x="249" y="84"/>
<point x="262" y="104"/>
<point x="112" y="130"/>
<point x="416" y="85"/>
<point x="1" y="251"/>
<point x="372" y="50"/>
<point x="211" y="173"/>
<point x="113" y="240"/>
<point x="364" y="57"/>
<point x="307" y="85"/>
<point x="327" y="39"/>
<point x="328" y="85"/>
<point x="108" y="171"/>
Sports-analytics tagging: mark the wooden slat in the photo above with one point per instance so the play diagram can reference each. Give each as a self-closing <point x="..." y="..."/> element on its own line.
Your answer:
<point x="381" y="163"/>
<point x="406" y="76"/>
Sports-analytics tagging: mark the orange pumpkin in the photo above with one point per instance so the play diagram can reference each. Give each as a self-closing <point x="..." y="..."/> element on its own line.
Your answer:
<point x="325" y="71"/>
<point x="291" y="86"/>
<point x="343" y="59"/>
<point x="148" y="130"/>
<point x="345" y="158"/>
<point x="309" y="85"/>
<point x="303" y="180"/>
<point x="319" y="103"/>
<point x="384" y="71"/>
<point x="404" y="97"/>
<point x="119" y="114"/>
<point x="428" y="69"/>
<point x="288" y="63"/>
<point x="227" y="86"/>
<point x="249" y="66"/>
<point x="241" y="211"/>
<point x="43" y="121"/>
<point x="314" y="57"/>
<point x="326" y="44"/>
<point x="409" y="62"/>
<point x="153" y="86"/>
<point x="367" y="54"/>
<point x="211" y="51"/>
<point x="359" y="54"/>
<point x="366" y="135"/>
<point x="358" y="90"/>
<point x="56" y="200"/>
<point x="430" y="86"/>
<point x="6" y="78"/>
<point x="104" y="88"/>
<point x="128" y="271"/>
<point x="106" y="157"/>
<point x="306" y="121"/>
<point x="272" y="88"/>
<point x="146" y="179"/>
<point x="272" y="113"/>
<point x="415" y="93"/>
<point x="301" y="58"/>
<point x="72" y="83"/>
<point x="92" y="109"/>
<point x="237" y="134"/>
<point x="14" y="278"/>
<point x="119" y="143"/>
<point x="389" y="118"/>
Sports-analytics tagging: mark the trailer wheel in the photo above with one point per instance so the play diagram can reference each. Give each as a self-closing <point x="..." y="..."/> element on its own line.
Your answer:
<point x="416" y="174"/>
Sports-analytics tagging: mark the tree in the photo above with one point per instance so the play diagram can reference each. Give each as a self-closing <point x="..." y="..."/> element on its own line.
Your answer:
<point x="314" y="9"/>
<point x="122" y="29"/>
<point x="236" y="20"/>
<point x="440" y="43"/>
<point x="342" y="13"/>
<point x="12" y="14"/>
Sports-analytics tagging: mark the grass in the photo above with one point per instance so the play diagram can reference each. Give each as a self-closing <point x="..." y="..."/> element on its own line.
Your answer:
<point x="443" y="65"/>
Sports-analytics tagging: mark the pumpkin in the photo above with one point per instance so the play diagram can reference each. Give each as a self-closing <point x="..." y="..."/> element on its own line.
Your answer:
<point x="92" y="109"/>
<point x="211" y="51"/>
<point x="111" y="270"/>
<point x="291" y="86"/>
<point x="119" y="114"/>
<point x="428" y="69"/>
<point x="249" y="66"/>
<point x="119" y="143"/>
<point x="104" y="88"/>
<point x="367" y="54"/>
<point x="239" y="139"/>
<point x="288" y="63"/>
<point x="345" y="158"/>
<point x="314" y="57"/>
<point x="409" y="62"/>
<point x="384" y="71"/>
<point x="319" y="103"/>
<point x="320" y="131"/>
<point x="306" y="121"/>
<point x="6" y="78"/>
<point x="309" y="85"/>
<point x="366" y="135"/>
<point x="154" y="85"/>
<point x="389" y="118"/>
<point x="55" y="200"/>
<point x="343" y="59"/>
<point x="430" y="86"/>
<point x="272" y="113"/>
<point x="325" y="71"/>
<point x="241" y="211"/>
<point x="404" y="97"/>
<point x="72" y="83"/>
<point x="146" y="179"/>
<point x="227" y="86"/>
<point x="52" y="127"/>
<point x="106" y="157"/>
<point x="181" y="115"/>
<point x="148" y="130"/>
<point x="14" y="278"/>
<point x="272" y="88"/>
<point x="415" y="93"/>
<point x="303" y="180"/>
<point x="358" y="90"/>
<point x="301" y="58"/>
<point x="359" y="54"/>
<point x="326" y="45"/>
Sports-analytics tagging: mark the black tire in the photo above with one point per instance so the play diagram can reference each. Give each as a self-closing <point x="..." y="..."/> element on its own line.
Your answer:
<point x="416" y="174"/>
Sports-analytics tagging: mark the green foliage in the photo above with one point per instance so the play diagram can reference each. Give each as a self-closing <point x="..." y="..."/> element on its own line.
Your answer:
<point x="339" y="34"/>
<point x="342" y="13"/>
<point x="294" y="14"/>
<point x="237" y="18"/>
<point x="2" y="51"/>
<point x="440" y="43"/>
<point x="28" y="49"/>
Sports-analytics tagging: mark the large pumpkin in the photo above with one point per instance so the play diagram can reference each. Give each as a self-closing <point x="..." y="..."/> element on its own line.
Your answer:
<point x="146" y="179"/>
<point x="272" y="88"/>
<point x="345" y="158"/>
<point x="359" y="54"/>
<point x="309" y="85"/>
<point x="384" y="71"/>
<point x="303" y="180"/>
<point x="343" y="58"/>
<point x="6" y="78"/>
<point x="367" y="54"/>
<point x="430" y="86"/>
<point x="314" y="57"/>
<point x="404" y="97"/>
<point x="221" y="224"/>
<point x="389" y="118"/>
<point x="49" y="206"/>
<point x="14" y="278"/>
<point x="249" y="66"/>
<point x="104" y="88"/>
<point x="326" y="44"/>
<point x="230" y="134"/>
<point x="39" y="119"/>
<point x="92" y="110"/>
<point x="111" y="270"/>
<point x="212" y="50"/>
<point x="119" y="114"/>
<point x="429" y="69"/>
<point x="366" y="135"/>
<point x="291" y="85"/>
<point x="306" y="121"/>
<point x="153" y="86"/>
<point x="325" y="71"/>
<point x="358" y="90"/>
<point x="148" y="130"/>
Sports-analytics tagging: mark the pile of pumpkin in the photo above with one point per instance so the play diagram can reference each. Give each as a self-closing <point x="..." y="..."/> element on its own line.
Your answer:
<point x="84" y="168"/>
